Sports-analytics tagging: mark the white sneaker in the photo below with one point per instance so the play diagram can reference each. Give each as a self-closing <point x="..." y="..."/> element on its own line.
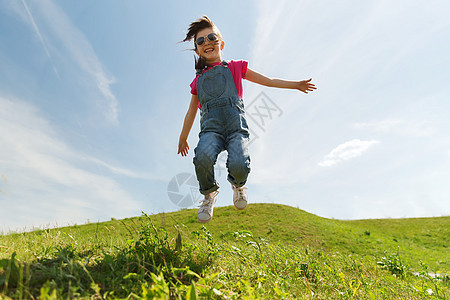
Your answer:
<point x="239" y="197"/>
<point x="205" y="211"/>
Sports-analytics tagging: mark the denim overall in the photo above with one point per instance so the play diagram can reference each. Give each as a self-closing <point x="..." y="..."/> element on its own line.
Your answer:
<point x="222" y="127"/>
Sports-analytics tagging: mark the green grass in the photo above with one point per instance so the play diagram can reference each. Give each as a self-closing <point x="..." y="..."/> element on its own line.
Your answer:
<point x="267" y="251"/>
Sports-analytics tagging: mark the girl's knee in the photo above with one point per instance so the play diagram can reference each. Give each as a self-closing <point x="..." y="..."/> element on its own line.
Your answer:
<point x="239" y="170"/>
<point x="204" y="159"/>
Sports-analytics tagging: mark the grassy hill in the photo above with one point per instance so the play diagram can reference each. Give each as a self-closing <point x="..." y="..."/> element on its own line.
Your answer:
<point x="267" y="251"/>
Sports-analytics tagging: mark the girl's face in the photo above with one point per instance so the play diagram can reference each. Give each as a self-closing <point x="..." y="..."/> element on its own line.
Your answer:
<point x="211" y="51"/>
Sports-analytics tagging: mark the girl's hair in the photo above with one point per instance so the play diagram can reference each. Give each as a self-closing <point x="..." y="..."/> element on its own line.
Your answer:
<point x="194" y="28"/>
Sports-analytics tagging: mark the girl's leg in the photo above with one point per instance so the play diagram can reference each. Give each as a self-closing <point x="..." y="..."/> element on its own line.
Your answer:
<point x="238" y="162"/>
<point x="208" y="148"/>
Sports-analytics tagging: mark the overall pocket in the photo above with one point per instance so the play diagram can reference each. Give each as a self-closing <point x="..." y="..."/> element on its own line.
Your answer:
<point x="214" y="85"/>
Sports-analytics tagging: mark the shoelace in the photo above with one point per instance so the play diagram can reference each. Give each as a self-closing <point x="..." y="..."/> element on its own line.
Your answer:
<point x="240" y="191"/>
<point x="206" y="203"/>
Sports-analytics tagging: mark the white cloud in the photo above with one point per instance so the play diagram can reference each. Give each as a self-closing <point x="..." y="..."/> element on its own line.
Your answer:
<point x="346" y="151"/>
<point x="42" y="179"/>
<point x="79" y="49"/>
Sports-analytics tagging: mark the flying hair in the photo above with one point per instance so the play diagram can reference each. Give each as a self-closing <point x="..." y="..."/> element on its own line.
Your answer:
<point x="196" y="26"/>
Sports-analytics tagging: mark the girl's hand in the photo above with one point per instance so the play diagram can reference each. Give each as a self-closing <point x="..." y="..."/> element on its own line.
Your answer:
<point x="183" y="147"/>
<point x="305" y="86"/>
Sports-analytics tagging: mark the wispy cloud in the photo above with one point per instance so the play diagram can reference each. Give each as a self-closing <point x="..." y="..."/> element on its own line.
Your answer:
<point x="43" y="176"/>
<point x="346" y="151"/>
<point x="3" y="184"/>
<point x="79" y="48"/>
<point x="117" y="170"/>
<point x="38" y="33"/>
<point x="412" y="128"/>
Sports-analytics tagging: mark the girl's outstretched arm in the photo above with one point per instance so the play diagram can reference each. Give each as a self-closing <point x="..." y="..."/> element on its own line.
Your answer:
<point x="305" y="85"/>
<point x="183" y="146"/>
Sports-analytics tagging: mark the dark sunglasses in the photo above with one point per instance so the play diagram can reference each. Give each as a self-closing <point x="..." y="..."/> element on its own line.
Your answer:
<point x="212" y="37"/>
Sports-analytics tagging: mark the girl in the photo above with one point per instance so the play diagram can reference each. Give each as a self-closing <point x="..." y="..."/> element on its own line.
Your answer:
<point x="217" y="91"/>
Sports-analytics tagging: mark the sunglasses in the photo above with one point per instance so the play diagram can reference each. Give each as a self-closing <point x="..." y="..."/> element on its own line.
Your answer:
<point x="212" y="37"/>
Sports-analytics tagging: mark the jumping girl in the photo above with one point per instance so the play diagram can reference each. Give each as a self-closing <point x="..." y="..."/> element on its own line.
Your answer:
<point x="217" y="91"/>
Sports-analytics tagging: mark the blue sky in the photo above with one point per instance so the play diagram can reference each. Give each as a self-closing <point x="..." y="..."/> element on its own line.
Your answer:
<point x="93" y="96"/>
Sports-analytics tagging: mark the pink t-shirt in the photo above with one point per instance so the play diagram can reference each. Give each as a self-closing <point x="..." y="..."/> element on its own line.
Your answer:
<point x="238" y="69"/>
